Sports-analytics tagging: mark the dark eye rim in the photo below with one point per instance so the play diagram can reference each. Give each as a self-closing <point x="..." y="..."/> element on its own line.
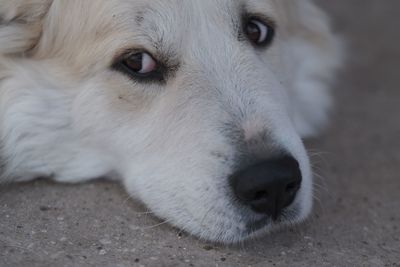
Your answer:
<point x="120" y="65"/>
<point x="268" y="22"/>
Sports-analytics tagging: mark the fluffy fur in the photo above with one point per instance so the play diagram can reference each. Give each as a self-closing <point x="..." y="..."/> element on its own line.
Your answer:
<point x="66" y="114"/>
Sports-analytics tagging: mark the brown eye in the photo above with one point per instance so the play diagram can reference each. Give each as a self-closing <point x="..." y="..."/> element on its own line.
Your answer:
<point x="140" y="66"/>
<point x="141" y="63"/>
<point x="258" y="32"/>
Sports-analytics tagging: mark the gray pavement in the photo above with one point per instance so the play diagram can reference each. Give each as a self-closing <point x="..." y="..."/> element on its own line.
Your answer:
<point x="356" y="221"/>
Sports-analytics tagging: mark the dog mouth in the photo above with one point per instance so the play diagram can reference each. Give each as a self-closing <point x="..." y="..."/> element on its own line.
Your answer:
<point x="261" y="222"/>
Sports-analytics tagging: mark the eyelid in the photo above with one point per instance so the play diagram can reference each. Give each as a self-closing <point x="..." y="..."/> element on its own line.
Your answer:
<point x="125" y="53"/>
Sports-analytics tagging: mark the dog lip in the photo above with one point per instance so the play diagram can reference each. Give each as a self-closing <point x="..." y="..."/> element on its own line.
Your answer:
<point x="263" y="222"/>
<point x="258" y="224"/>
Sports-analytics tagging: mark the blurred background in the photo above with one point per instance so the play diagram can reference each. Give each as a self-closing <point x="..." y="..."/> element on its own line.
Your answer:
<point x="356" y="221"/>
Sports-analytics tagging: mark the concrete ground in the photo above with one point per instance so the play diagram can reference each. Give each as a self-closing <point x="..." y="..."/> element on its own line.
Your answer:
<point x="356" y="221"/>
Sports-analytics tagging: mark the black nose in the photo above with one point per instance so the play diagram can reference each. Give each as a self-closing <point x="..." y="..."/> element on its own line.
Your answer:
<point x="269" y="186"/>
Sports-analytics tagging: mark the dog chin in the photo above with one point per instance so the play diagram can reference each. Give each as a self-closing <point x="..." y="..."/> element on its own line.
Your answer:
<point x="248" y="226"/>
<point x="265" y="224"/>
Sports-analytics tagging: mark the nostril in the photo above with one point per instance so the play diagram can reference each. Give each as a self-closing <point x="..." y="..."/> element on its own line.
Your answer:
<point x="293" y="187"/>
<point x="260" y="195"/>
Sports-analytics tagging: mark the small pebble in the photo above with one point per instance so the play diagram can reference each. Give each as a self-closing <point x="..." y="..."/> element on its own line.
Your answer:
<point x="44" y="208"/>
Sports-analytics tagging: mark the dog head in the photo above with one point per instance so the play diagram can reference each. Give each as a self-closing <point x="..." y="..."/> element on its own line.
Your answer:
<point x="190" y="102"/>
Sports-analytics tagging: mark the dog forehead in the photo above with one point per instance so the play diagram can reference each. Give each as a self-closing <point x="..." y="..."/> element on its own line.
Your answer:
<point x="172" y="22"/>
<point x="164" y="26"/>
<point x="175" y="16"/>
<point x="193" y="10"/>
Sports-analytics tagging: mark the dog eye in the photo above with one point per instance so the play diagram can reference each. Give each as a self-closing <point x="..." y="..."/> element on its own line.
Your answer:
<point x="140" y="66"/>
<point x="258" y="32"/>
<point x="141" y="63"/>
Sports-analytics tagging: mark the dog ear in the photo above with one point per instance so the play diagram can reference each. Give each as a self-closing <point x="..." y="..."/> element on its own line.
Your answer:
<point x="20" y="24"/>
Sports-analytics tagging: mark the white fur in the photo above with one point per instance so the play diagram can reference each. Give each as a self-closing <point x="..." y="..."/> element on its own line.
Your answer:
<point x="65" y="114"/>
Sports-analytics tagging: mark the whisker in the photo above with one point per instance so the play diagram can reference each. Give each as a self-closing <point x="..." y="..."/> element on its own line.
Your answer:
<point x="154" y="226"/>
<point x="129" y="198"/>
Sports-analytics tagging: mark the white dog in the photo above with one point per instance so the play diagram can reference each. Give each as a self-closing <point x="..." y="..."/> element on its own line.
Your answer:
<point x="197" y="106"/>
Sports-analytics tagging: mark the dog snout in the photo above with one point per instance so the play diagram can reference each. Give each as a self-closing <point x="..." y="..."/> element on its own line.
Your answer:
<point x="268" y="186"/>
